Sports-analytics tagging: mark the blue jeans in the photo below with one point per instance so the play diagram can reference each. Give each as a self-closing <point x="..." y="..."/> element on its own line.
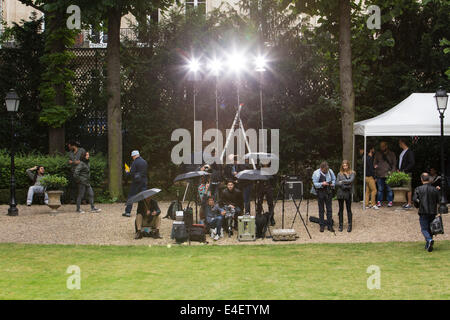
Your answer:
<point x="215" y="222"/>
<point x="425" y="221"/>
<point x="381" y="185"/>
<point x="134" y="190"/>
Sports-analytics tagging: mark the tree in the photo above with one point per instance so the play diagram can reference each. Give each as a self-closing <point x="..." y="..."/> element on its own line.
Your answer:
<point x="338" y="12"/>
<point x="112" y="11"/>
<point x="56" y="92"/>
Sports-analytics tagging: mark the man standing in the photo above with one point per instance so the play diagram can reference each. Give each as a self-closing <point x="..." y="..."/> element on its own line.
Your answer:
<point x="324" y="180"/>
<point x="406" y="164"/>
<point x="371" y="188"/>
<point x="138" y="174"/>
<point x="384" y="163"/>
<point x="426" y="198"/>
<point x="75" y="152"/>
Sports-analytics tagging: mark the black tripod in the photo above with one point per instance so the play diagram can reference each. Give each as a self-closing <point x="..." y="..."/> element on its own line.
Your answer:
<point x="297" y="207"/>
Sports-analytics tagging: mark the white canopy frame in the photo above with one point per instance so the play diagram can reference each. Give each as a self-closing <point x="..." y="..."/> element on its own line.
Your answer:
<point x="417" y="115"/>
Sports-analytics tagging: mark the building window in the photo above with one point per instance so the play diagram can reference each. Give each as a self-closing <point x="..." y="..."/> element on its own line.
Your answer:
<point x="200" y="5"/>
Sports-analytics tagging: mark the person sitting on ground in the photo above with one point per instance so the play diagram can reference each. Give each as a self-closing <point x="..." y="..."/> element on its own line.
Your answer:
<point x="82" y="176"/>
<point x="214" y="218"/>
<point x="426" y="198"/>
<point x="232" y="197"/>
<point x="148" y="215"/>
<point x="36" y="174"/>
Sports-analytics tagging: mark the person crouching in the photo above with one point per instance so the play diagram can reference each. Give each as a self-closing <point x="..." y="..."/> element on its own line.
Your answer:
<point x="148" y="215"/>
<point x="426" y="198"/>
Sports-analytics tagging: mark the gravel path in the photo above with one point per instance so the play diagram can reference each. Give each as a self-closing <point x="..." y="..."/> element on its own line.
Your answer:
<point x="36" y="225"/>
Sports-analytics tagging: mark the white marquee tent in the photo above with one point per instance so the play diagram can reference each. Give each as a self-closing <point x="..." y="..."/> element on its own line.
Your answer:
<point x="417" y="115"/>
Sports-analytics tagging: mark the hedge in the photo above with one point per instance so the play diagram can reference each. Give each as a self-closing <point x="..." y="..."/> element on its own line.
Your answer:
<point x="56" y="165"/>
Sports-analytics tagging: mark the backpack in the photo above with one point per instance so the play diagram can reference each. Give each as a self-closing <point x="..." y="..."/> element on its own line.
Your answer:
<point x="179" y="232"/>
<point x="173" y="208"/>
<point x="197" y="233"/>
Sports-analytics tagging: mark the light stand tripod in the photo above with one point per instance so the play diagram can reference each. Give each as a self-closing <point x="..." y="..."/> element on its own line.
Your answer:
<point x="237" y="124"/>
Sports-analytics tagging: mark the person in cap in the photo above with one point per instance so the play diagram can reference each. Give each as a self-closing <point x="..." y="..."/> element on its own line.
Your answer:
<point x="138" y="175"/>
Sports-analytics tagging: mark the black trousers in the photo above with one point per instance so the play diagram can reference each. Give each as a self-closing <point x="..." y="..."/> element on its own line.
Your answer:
<point x="324" y="200"/>
<point x="348" y="205"/>
<point x="265" y="190"/>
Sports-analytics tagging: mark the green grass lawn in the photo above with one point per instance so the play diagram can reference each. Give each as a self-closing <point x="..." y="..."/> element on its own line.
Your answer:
<point x="313" y="271"/>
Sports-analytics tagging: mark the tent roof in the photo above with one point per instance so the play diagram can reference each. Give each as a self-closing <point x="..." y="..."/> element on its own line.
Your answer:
<point x="417" y="115"/>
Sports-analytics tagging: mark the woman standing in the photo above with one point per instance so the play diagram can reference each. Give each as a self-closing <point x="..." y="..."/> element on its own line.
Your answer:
<point x="344" y="183"/>
<point x="82" y="177"/>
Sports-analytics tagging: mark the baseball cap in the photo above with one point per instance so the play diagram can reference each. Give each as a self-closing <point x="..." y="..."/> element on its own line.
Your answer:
<point x="134" y="153"/>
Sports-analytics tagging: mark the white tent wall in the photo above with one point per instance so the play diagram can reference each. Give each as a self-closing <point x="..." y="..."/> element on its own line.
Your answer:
<point x="417" y="115"/>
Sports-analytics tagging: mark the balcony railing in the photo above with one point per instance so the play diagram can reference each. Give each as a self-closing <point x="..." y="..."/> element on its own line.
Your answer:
<point x="99" y="39"/>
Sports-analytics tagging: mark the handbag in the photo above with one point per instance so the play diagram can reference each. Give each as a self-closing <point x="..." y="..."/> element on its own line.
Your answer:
<point x="436" y="226"/>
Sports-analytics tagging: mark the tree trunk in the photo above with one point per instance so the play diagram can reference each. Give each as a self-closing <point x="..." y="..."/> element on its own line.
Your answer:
<point x="346" y="81"/>
<point x="114" y="109"/>
<point x="56" y="140"/>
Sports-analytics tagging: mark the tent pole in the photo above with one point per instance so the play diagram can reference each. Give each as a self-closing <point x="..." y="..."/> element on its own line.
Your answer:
<point x="364" y="177"/>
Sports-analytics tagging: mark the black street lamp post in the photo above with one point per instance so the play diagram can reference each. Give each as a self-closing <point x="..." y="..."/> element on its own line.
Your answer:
<point x="12" y="105"/>
<point x="441" y="102"/>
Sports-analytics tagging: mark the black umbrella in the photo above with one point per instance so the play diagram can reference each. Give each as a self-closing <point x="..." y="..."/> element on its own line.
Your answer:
<point x="190" y="175"/>
<point x="143" y="195"/>
<point x="253" y="175"/>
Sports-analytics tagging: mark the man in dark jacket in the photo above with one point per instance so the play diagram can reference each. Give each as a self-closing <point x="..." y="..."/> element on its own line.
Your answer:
<point x="138" y="174"/>
<point x="406" y="164"/>
<point x="148" y="215"/>
<point x="426" y="198"/>
<point x="75" y="152"/>
<point x="232" y="197"/>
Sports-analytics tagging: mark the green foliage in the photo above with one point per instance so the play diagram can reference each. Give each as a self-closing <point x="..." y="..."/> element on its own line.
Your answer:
<point x="56" y="90"/>
<point x="398" y="179"/>
<point x="53" y="182"/>
<point x="20" y="68"/>
<point x="54" y="165"/>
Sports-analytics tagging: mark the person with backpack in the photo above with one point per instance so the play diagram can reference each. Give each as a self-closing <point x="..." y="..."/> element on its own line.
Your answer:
<point x="36" y="174"/>
<point x="82" y="176"/>
<point x="426" y="198"/>
<point x="344" y="184"/>
<point x="324" y="182"/>
<point x="384" y="163"/>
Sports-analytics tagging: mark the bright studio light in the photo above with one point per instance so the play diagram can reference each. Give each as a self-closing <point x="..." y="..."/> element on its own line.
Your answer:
<point x="260" y="64"/>
<point x="215" y="67"/>
<point x="236" y="62"/>
<point x="194" y="65"/>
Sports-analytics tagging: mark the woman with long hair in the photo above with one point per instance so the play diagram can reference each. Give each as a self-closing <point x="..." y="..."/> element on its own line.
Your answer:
<point x="82" y="176"/>
<point x="344" y="183"/>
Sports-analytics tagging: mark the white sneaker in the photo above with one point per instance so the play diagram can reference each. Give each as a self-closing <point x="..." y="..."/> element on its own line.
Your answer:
<point x="216" y="237"/>
<point x="213" y="233"/>
<point x="376" y="208"/>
